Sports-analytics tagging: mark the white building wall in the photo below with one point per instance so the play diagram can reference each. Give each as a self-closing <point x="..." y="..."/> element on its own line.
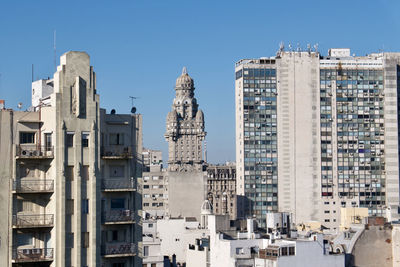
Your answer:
<point x="298" y="135"/>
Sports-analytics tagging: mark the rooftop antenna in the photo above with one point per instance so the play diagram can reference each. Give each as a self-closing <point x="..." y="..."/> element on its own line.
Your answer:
<point x="316" y="47"/>
<point x="281" y="46"/>
<point x="290" y="47"/>
<point x="133" y="109"/>
<point x="309" y="48"/>
<point x="55" y="50"/>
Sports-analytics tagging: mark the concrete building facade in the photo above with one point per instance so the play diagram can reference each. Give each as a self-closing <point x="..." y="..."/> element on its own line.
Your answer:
<point x="221" y="189"/>
<point x="315" y="133"/>
<point x="69" y="182"/>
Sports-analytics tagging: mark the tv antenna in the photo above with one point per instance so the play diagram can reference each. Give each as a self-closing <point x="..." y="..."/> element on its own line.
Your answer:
<point x="55" y="50"/>
<point x="133" y="109"/>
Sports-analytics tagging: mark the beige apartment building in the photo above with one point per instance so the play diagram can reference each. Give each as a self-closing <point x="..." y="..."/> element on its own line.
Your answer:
<point x="69" y="174"/>
<point x="316" y="133"/>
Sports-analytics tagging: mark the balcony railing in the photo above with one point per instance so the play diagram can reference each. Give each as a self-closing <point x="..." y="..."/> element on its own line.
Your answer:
<point x="116" y="152"/>
<point x="33" y="186"/>
<point x="33" y="151"/>
<point x="118" y="184"/>
<point x="118" y="217"/>
<point x="37" y="220"/>
<point x="32" y="254"/>
<point x="118" y="249"/>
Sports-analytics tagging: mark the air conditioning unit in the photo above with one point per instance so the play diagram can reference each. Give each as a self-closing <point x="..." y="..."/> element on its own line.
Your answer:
<point x="127" y="213"/>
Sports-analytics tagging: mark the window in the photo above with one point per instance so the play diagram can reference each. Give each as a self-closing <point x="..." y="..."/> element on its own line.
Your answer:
<point x="24" y="239"/>
<point x="115" y="235"/>
<point x="118" y="264"/>
<point x="85" y="139"/>
<point x="146" y="204"/>
<point x="117" y="203"/>
<point x="26" y="138"/>
<point x="284" y="251"/>
<point x="117" y="171"/>
<point x="291" y="251"/>
<point x="117" y="139"/>
<point x="48" y="142"/>
<point x="150" y="225"/>
<point x="85" y="172"/>
<point x="145" y="251"/>
<point x="146" y="186"/>
<point x="85" y="206"/>
<point x="70" y="207"/>
<point x="70" y="139"/>
<point x="69" y="242"/>
<point x="69" y="173"/>
<point x="85" y="239"/>
<point x="155" y="178"/>
<point x="25" y="205"/>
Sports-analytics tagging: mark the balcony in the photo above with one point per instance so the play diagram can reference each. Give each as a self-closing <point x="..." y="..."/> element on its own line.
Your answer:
<point x="123" y="249"/>
<point x="32" y="151"/>
<point x="33" y="186"/>
<point x="118" y="217"/>
<point x="116" y="152"/>
<point x="32" y="255"/>
<point x="115" y="185"/>
<point x="33" y="221"/>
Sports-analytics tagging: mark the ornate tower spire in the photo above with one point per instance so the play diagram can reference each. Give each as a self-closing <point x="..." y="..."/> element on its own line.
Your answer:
<point x="185" y="127"/>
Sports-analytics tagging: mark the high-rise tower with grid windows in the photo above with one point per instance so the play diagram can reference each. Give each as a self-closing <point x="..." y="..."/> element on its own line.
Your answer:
<point x="315" y="133"/>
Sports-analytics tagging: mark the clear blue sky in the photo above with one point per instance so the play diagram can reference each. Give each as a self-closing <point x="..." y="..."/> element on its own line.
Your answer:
<point x="138" y="48"/>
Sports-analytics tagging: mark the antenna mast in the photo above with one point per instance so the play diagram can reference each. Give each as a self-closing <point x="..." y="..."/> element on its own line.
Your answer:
<point x="55" y="51"/>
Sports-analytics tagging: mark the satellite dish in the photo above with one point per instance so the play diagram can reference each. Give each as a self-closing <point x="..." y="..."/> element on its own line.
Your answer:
<point x="133" y="110"/>
<point x="19" y="105"/>
<point x="113" y="111"/>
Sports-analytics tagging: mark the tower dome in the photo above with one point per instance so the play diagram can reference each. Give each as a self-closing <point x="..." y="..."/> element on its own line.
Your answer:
<point x="206" y="208"/>
<point x="184" y="81"/>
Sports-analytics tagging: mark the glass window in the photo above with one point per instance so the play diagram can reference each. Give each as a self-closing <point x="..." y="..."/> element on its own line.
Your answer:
<point x="48" y="142"/>
<point x="85" y="206"/>
<point x="85" y="139"/>
<point x="117" y="203"/>
<point x="70" y="139"/>
<point x="26" y="138"/>
<point x="85" y="239"/>
<point x="117" y="139"/>
<point x="24" y="239"/>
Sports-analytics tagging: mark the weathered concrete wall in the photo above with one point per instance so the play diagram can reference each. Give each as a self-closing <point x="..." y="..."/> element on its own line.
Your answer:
<point x="374" y="248"/>
<point x="5" y="182"/>
<point x="186" y="193"/>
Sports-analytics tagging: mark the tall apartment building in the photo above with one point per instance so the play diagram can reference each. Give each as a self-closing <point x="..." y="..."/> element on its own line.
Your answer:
<point x="151" y="157"/>
<point x="315" y="133"/>
<point x="154" y="185"/>
<point x="69" y="177"/>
